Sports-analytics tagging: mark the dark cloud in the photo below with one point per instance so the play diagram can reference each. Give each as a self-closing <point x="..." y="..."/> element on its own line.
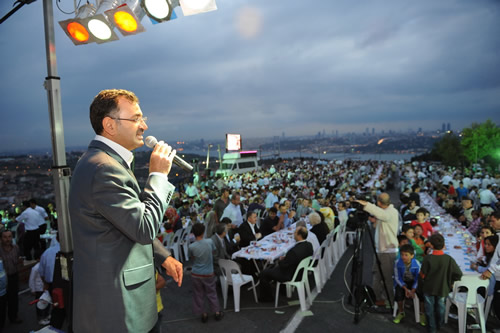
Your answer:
<point x="263" y="67"/>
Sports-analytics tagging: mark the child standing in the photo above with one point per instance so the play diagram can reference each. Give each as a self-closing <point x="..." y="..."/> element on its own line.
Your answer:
<point x="203" y="275"/>
<point x="406" y="273"/>
<point x="438" y="272"/>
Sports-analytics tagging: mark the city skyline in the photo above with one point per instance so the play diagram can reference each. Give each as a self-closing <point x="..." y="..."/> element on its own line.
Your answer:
<point x="263" y="68"/>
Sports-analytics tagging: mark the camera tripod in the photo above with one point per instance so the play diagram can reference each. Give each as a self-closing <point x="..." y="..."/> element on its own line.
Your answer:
<point x="363" y="295"/>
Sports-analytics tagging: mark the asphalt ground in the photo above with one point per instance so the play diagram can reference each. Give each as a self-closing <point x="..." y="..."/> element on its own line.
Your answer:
<point x="329" y="311"/>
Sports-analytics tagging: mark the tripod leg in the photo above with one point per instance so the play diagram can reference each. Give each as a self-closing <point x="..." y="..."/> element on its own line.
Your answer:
<point x="379" y="266"/>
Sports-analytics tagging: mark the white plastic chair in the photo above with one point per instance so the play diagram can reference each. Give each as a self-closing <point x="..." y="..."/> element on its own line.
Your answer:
<point x="185" y="241"/>
<point x="231" y="275"/>
<point x="342" y="240"/>
<point x="300" y="282"/>
<point x="318" y="266"/>
<point x="330" y="258"/>
<point x="167" y="239"/>
<point x="416" y="308"/>
<point x="175" y="245"/>
<point x="350" y="236"/>
<point x="466" y="300"/>
<point x="334" y="248"/>
<point x="487" y="308"/>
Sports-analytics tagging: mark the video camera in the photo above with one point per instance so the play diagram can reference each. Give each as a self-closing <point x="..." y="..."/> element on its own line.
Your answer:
<point x="358" y="217"/>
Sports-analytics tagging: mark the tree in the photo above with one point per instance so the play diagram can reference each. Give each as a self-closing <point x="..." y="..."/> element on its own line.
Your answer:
<point x="448" y="150"/>
<point x="482" y="141"/>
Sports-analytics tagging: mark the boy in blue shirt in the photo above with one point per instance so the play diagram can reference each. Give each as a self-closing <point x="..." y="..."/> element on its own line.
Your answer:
<point x="406" y="272"/>
<point x="203" y="275"/>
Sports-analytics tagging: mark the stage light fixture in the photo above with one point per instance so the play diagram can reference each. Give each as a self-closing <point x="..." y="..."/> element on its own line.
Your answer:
<point x="99" y="26"/>
<point x="75" y="28"/>
<point x="159" y="10"/>
<point x="127" y="17"/>
<point x="193" y="7"/>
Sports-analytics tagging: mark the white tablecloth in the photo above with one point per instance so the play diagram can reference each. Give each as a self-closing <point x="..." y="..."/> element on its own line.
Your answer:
<point x="459" y="243"/>
<point x="270" y="247"/>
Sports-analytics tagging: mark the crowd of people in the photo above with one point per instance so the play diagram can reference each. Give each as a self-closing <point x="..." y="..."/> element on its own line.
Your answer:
<point x="120" y="264"/>
<point x="227" y="214"/>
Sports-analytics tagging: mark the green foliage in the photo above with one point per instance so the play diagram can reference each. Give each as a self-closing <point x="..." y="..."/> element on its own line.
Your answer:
<point x="482" y="141"/>
<point x="448" y="150"/>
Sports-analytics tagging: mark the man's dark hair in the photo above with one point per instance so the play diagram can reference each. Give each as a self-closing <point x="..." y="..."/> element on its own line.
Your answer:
<point x="407" y="248"/>
<point x="33" y="201"/>
<point x="105" y="104"/>
<point x="302" y="231"/>
<point x="496" y="215"/>
<point x="273" y="210"/>
<point x="250" y="213"/>
<point x="226" y="220"/>
<point x="220" y="228"/>
<point x="437" y="241"/>
<point x="198" y="229"/>
<point x="26" y="203"/>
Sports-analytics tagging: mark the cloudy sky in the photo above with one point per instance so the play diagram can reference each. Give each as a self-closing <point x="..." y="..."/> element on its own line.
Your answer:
<point x="261" y="68"/>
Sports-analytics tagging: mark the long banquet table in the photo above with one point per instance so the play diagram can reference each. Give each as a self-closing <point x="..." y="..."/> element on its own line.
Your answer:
<point x="459" y="243"/>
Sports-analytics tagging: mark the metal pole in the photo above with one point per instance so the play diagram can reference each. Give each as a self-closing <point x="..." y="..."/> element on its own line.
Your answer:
<point x="60" y="171"/>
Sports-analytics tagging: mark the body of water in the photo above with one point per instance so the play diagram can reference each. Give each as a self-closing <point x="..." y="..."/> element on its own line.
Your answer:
<point x="342" y="156"/>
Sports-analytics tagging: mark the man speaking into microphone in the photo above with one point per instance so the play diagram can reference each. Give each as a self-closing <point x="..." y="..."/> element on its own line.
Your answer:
<point x="115" y="224"/>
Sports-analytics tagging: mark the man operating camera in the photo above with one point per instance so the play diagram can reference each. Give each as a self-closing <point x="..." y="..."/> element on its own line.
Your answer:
<point x="385" y="221"/>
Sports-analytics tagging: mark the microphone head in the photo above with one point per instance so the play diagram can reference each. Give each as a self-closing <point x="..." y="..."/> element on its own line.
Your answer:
<point x="150" y="141"/>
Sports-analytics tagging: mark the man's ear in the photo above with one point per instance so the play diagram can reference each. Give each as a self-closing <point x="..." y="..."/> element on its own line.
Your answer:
<point x="109" y="126"/>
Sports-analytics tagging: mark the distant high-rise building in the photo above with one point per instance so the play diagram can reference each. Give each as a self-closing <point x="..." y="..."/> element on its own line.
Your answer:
<point x="283" y="134"/>
<point x="448" y="127"/>
<point x="373" y="131"/>
<point x="420" y="130"/>
<point x="367" y="130"/>
<point x="443" y="127"/>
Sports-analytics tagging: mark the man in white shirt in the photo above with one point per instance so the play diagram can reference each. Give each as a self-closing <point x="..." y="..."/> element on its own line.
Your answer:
<point x="386" y="243"/>
<point x="487" y="198"/>
<point x="233" y="211"/>
<point x="272" y="197"/>
<point x="32" y="220"/>
<point x="43" y="222"/>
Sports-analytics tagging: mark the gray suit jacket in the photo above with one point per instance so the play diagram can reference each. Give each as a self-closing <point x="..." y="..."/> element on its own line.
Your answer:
<point x="114" y="225"/>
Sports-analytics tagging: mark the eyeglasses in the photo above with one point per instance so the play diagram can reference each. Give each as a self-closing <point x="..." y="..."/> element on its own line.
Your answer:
<point x="135" y="120"/>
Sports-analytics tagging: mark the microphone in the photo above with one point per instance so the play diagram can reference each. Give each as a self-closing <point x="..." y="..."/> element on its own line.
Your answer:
<point x="151" y="142"/>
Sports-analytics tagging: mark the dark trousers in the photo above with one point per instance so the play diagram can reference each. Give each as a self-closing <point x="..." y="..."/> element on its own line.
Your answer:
<point x="3" y="309"/>
<point x="12" y="297"/>
<point x="268" y="275"/>
<point x="32" y="241"/>
<point x="204" y="286"/>
<point x="496" y="299"/>
<point x="41" y="241"/>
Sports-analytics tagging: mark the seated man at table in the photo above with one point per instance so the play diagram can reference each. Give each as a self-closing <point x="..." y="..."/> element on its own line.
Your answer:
<point x="271" y="223"/>
<point x="286" y="266"/>
<point x="231" y="238"/>
<point x="249" y="231"/>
